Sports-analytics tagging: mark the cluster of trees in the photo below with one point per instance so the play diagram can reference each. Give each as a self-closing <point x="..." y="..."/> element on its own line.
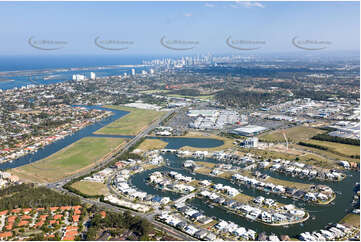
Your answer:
<point x="186" y="92"/>
<point x="118" y="223"/>
<point x="320" y="147"/>
<point x="326" y="137"/>
<point x="30" y="195"/>
<point x="236" y="98"/>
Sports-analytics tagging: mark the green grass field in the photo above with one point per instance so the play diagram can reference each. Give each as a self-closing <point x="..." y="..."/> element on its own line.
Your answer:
<point x="327" y="154"/>
<point x="294" y="134"/>
<point x="342" y="149"/>
<point x="132" y="123"/>
<point x="81" y="155"/>
<point x="91" y="188"/>
<point x="152" y="144"/>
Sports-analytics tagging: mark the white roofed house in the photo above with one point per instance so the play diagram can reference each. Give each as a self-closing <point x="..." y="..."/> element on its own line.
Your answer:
<point x="165" y="200"/>
<point x="322" y="197"/>
<point x="310" y="196"/>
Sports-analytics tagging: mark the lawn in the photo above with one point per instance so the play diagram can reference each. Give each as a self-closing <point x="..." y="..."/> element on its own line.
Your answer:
<point x="351" y="219"/>
<point x="79" y="156"/>
<point x="132" y="123"/>
<point x="332" y="157"/>
<point x="294" y="134"/>
<point x="341" y="149"/>
<point x="152" y="144"/>
<point x="91" y="188"/>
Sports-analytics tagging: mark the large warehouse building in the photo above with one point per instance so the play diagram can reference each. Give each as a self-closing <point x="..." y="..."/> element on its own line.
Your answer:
<point x="249" y="130"/>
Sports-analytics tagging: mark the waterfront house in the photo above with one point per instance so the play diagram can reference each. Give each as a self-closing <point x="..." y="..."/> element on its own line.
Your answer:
<point x="239" y="231"/>
<point x="210" y="237"/>
<point x="266" y="217"/>
<point x="181" y="225"/>
<point x="200" y="234"/>
<point x="191" y="230"/>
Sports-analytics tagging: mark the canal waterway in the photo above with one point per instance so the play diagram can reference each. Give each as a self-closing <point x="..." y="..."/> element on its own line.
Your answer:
<point x="321" y="214"/>
<point x="88" y="131"/>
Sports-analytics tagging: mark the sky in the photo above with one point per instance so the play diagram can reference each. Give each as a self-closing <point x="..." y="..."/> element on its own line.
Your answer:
<point x="158" y="28"/>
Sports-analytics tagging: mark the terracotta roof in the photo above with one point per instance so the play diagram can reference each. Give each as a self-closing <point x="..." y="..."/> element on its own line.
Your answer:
<point x="6" y="234"/>
<point x="27" y="210"/>
<point x="12" y="218"/>
<point x="54" y="208"/>
<point x="71" y="233"/>
<point x="65" y="207"/>
<point x="23" y="223"/>
<point x="57" y="216"/>
<point x="69" y="228"/>
<point x="76" y="218"/>
<point x="76" y="207"/>
<point x="26" y="217"/>
<point x="9" y="226"/>
<point x="103" y="214"/>
<point x="43" y="217"/>
<point x="17" y="210"/>
<point x="4" y="212"/>
<point x="39" y="224"/>
<point x="53" y="221"/>
<point x="69" y="238"/>
<point x="77" y="211"/>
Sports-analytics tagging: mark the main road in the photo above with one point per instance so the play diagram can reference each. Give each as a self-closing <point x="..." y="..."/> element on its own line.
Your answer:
<point x="150" y="216"/>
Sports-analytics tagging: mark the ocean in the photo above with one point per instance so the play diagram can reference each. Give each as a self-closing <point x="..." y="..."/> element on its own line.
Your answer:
<point x="17" y="71"/>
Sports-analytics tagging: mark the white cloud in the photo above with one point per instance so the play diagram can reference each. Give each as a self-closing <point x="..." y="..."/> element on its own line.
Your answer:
<point x="246" y="4"/>
<point x="188" y="15"/>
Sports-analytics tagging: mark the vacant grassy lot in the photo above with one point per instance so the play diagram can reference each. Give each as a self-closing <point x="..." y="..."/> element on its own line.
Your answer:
<point x="294" y="134"/>
<point x="151" y="144"/>
<point x="351" y="219"/>
<point x="341" y="149"/>
<point x="74" y="158"/>
<point x="243" y="198"/>
<point x="132" y="123"/>
<point x="91" y="188"/>
<point x="333" y="157"/>
<point x="205" y="164"/>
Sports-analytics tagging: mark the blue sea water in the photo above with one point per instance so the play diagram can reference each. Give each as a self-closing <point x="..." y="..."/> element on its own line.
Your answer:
<point x="17" y="71"/>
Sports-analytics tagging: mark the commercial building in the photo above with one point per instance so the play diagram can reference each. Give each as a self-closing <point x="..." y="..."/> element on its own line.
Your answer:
<point x="250" y="143"/>
<point x="78" y="77"/>
<point x="92" y="76"/>
<point x="249" y="130"/>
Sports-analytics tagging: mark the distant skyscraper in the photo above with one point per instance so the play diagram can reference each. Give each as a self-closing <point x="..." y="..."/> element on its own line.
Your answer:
<point x="78" y="77"/>
<point x="133" y="72"/>
<point x="92" y="76"/>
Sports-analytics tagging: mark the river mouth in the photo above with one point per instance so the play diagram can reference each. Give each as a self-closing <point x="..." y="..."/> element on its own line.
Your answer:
<point x="320" y="215"/>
